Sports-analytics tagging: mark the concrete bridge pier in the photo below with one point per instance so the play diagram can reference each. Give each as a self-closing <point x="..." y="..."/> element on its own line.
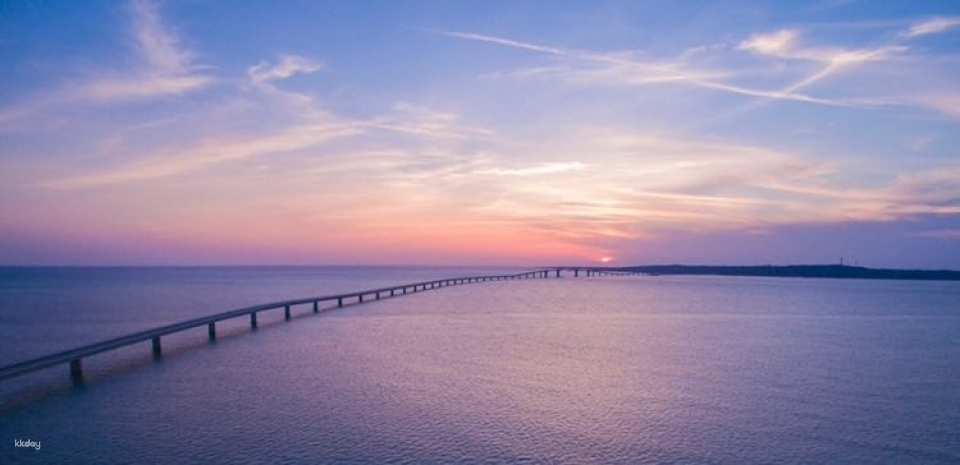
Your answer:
<point x="76" y="372"/>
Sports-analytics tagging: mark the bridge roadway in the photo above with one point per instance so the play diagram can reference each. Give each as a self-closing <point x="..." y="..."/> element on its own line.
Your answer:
<point x="74" y="357"/>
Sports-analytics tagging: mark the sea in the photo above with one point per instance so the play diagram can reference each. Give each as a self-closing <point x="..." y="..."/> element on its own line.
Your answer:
<point x="598" y="370"/>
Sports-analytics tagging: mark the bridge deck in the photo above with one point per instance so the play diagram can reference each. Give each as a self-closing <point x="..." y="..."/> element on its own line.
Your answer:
<point x="74" y="356"/>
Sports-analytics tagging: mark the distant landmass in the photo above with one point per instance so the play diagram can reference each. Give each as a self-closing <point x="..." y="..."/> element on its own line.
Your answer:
<point x="799" y="271"/>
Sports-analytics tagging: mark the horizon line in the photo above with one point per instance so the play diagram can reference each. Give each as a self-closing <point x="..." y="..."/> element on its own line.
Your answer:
<point x="360" y="265"/>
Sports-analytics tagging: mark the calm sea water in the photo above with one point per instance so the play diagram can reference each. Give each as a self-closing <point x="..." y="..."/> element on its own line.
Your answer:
<point x="666" y="370"/>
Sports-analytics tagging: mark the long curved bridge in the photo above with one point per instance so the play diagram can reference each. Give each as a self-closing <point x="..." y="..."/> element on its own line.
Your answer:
<point x="74" y="357"/>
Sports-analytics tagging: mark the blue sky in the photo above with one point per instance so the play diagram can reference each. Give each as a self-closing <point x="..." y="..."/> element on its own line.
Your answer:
<point x="193" y="132"/>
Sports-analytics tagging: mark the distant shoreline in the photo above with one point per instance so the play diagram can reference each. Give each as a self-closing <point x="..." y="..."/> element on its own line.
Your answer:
<point x="797" y="271"/>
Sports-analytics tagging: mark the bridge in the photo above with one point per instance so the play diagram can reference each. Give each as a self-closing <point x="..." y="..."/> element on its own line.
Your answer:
<point x="75" y="357"/>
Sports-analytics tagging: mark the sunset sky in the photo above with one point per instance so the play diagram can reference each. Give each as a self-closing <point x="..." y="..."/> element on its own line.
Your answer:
<point x="218" y="132"/>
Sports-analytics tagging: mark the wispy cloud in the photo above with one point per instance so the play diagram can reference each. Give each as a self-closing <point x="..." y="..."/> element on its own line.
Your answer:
<point x="536" y="170"/>
<point x="287" y="66"/>
<point x="168" y="67"/>
<point x="785" y="44"/>
<point x="626" y="70"/>
<point x="419" y="120"/>
<point x="208" y="153"/>
<point x="652" y="184"/>
<point x="933" y="26"/>
<point x="589" y="68"/>
<point x="158" y="46"/>
<point x="948" y="104"/>
<point x="143" y="87"/>
<point x="778" y="43"/>
<point x="507" y="42"/>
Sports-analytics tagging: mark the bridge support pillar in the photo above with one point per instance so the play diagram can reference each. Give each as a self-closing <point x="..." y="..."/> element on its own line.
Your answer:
<point x="76" y="372"/>
<point x="212" y="331"/>
<point x="316" y="306"/>
<point x="157" y="352"/>
<point x="253" y="320"/>
<point x="286" y="312"/>
<point x="339" y="301"/>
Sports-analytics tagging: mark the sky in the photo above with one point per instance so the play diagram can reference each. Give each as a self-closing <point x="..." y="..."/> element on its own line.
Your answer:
<point x="491" y="133"/>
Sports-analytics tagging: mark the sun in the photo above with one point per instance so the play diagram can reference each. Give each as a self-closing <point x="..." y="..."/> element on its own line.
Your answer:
<point x="606" y="259"/>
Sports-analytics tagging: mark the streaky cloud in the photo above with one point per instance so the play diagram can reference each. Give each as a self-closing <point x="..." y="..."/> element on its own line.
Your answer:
<point x="170" y="68"/>
<point x="159" y="47"/>
<point x="541" y="169"/>
<point x="933" y="26"/>
<point x="287" y="66"/>
<point x="167" y="69"/>
<point x="207" y="153"/>
<point x="654" y="72"/>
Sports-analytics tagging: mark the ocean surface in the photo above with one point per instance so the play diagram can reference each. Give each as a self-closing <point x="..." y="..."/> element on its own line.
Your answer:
<point x="619" y="370"/>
